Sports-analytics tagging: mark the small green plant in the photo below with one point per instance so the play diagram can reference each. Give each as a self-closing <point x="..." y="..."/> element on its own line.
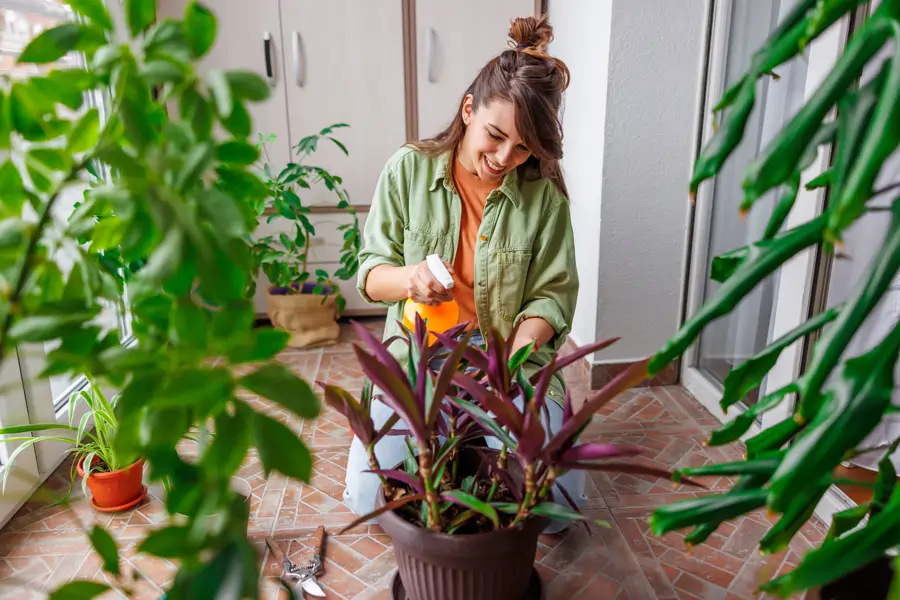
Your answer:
<point x="285" y="258"/>
<point x="92" y="445"/>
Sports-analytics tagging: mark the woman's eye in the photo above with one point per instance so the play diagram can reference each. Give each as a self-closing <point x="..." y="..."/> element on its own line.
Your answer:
<point x="523" y="149"/>
<point x="496" y="138"/>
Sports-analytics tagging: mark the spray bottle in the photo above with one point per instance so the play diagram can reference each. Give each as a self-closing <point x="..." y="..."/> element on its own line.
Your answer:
<point x="438" y="318"/>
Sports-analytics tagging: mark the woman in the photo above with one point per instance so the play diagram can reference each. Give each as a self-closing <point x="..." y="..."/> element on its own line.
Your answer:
<point x="487" y="195"/>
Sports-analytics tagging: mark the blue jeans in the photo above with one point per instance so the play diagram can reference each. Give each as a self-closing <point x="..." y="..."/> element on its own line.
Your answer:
<point x="362" y="487"/>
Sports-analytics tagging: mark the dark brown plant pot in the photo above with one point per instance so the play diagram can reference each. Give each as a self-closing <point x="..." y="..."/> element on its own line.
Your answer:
<point x="481" y="566"/>
<point x="872" y="582"/>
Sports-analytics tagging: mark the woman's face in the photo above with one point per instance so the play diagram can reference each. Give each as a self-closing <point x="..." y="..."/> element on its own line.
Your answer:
<point x="491" y="146"/>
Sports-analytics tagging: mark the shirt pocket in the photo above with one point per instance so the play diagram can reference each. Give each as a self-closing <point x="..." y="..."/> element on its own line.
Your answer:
<point x="417" y="245"/>
<point x="509" y="289"/>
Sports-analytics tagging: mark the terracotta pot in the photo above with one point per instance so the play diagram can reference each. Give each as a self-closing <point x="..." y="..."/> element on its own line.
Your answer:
<point x="482" y="566"/>
<point x="311" y="319"/>
<point x="116" y="489"/>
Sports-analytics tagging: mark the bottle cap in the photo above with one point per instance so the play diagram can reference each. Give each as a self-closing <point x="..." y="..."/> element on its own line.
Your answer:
<point x="440" y="272"/>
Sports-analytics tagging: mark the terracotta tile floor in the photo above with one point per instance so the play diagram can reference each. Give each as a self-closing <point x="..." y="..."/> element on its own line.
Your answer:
<point x="42" y="547"/>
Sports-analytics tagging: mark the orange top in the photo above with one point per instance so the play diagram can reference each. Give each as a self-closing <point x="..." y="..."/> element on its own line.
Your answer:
<point x="473" y="193"/>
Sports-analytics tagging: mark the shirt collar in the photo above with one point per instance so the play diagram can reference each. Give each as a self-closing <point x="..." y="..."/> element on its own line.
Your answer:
<point x="442" y="172"/>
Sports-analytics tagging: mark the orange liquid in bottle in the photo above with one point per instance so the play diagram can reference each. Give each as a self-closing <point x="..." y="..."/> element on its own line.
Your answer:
<point x="438" y="318"/>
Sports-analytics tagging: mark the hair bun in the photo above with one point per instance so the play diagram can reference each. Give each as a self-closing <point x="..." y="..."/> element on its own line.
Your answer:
<point x="534" y="33"/>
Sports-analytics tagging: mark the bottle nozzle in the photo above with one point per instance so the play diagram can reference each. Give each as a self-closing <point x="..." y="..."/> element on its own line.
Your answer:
<point x="440" y="272"/>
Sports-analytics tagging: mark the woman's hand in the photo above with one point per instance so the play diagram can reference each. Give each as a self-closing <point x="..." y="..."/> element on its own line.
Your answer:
<point x="424" y="288"/>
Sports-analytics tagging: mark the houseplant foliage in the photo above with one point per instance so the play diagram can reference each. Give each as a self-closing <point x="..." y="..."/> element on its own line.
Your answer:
<point x="92" y="444"/>
<point x="836" y="402"/>
<point x="175" y="205"/>
<point x="446" y="399"/>
<point x="285" y="258"/>
<point x="303" y="303"/>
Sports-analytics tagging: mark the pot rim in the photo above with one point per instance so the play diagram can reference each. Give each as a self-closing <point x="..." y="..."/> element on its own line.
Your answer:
<point x="109" y="474"/>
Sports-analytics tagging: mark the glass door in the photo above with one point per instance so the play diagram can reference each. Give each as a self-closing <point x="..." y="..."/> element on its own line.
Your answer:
<point x="739" y="28"/>
<point x="23" y="474"/>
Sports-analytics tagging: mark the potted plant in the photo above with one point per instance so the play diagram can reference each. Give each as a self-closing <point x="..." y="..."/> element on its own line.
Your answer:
<point x="114" y="486"/>
<point x="464" y="516"/>
<point x="305" y="304"/>
<point x="838" y="400"/>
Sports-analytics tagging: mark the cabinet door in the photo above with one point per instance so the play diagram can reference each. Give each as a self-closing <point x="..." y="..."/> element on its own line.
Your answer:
<point x="344" y="64"/>
<point x="243" y="28"/>
<point x="453" y="41"/>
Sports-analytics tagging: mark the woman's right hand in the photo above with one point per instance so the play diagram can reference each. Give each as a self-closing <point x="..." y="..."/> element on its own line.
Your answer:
<point x="424" y="288"/>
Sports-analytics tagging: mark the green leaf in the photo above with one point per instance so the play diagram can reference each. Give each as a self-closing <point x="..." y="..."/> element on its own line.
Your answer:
<point x="278" y="384"/>
<point x="750" y="374"/>
<point x="248" y="85"/>
<point x="106" y="547"/>
<point x="484" y="419"/>
<point x="280" y="449"/>
<point x="52" y="44"/>
<point x="555" y="511"/>
<point x="189" y="324"/>
<point x="853" y="407"/>
<point x="12" y="190"/>
<point x="85" y="134"/>
<point x="469" y="501"/>
<point x="195" y="165"/>
<point x="696" y="511"/>
<point x="158" y="72"/>
<point x="238" y="123"/>
<point x="139" y="14"/>
<point x="846" y="520"/>
<point x="47" y="327"/>
<point x="199" y="28"/>
<point x="263" y="345"/>
<point x="233" y="438"/>
<point x="223" y="213"/>
<point x="94" y="10"/>
<point x="78" y="590"/>
<point x="221" y="92"/>
<point x="520" y="356"/>
<point x="170" y="542"/>
<point x="237" y="152"/>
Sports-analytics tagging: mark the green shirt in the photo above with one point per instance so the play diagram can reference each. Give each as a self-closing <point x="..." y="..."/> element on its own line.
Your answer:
<point x="524" y="258"/>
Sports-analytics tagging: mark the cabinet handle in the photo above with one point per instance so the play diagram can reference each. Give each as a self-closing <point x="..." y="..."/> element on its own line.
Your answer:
<point x="299" y="71"/>
<point x="430" y="46"/>
<point x="267" y="49"/>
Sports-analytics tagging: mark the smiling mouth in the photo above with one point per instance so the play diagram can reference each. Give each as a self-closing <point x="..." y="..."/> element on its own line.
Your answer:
<point x="493" y="168"/>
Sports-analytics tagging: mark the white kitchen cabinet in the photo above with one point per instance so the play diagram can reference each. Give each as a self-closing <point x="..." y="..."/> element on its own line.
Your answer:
<point x="344" y="63"/>
<point x="243" y="30"/>
<point x="454" y="40"/>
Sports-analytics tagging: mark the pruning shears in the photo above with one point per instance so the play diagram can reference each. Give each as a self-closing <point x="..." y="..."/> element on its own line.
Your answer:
<point x="301" y="579"/>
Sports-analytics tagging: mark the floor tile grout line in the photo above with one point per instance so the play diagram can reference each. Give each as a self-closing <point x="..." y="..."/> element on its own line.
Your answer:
<point x="265" y="555"/>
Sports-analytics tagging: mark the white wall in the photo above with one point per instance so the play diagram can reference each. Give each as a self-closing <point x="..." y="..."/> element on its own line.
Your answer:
<point x="629" y="142"/>
<point x="575" y="22"/>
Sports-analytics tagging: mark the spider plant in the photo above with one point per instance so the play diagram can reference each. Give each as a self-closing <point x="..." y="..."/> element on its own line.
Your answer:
<point x="93" y="446"/>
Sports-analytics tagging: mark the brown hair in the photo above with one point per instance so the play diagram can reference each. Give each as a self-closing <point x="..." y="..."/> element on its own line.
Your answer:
<point x="533" y="81"/>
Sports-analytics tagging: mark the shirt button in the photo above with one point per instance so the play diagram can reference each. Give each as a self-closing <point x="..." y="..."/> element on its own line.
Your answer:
<point x="484" y="238"/>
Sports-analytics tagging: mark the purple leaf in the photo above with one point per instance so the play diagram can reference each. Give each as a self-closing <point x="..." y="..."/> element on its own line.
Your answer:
<point x="587" y="452"/>
<point x="574" y="506"/>
<point x="543" y="383"/>
<point x="414" y="483"/>
<point x="632" y="468"/>
<point x="576" y="355"/>
<point x="627" y="379"/>
<point x="506" y="412"/>
<point x="567" y="407"/>
<point x="379" y="350"/>
<point x="393" y="505"/>
<point x="357" y="416"/>
<point x="386" y="428"/>
<point x="398" y="394"/>
<point x="532" y="438"/>
<point x="490" y="425"/>
<point x="445" y="378"/>
<point x="474" y="355"/>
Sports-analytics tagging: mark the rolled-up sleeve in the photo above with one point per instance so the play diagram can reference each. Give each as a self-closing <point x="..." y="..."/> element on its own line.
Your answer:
<point x="382" y="242"/>
<point x="551" y="287"/>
